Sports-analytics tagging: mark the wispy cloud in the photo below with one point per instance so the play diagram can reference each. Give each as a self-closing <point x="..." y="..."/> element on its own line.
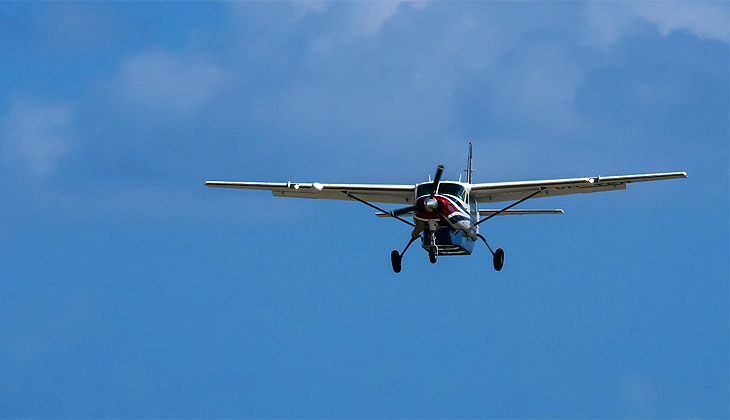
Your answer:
<point x="163" y="82"/>
<point x="37" y="135"/>
<point x="639" y="397"/>
<point x="538" y="84"/>
<point x="348" y="22"/>
<point x="707" y="19"/>
<point x="367" y="18"/>
<point x="76" y="29"/>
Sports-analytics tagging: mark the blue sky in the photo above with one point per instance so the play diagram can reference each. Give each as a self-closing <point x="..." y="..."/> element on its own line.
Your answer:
<point x="128" y="289"/>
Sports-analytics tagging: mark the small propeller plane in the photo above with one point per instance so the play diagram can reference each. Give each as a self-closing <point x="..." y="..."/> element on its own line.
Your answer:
<point x="446" y="214"/>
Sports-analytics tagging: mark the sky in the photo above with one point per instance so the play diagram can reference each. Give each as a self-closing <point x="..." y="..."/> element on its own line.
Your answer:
<point x="130" y="290"/>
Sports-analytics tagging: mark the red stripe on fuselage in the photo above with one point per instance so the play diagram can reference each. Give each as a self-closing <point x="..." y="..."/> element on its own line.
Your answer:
<point x="445" y="207"/>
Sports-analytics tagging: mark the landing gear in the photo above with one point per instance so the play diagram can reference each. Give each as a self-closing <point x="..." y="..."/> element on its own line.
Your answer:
<point x="497" y="256"/>
<point x="395" y="259"/>
<point x="433" y="254"/>
<point x="498" y="259"/>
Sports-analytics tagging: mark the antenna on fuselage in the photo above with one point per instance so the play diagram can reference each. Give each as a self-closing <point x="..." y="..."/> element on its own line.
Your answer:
<point x="468" y="167"/>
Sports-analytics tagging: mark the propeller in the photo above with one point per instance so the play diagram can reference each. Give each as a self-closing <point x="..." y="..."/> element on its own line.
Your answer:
<point x="437" y="179"/>
<point x="431" y="203"/>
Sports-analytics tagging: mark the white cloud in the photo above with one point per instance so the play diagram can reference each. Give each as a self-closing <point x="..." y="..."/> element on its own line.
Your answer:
<point x="37" y="135"/>
<point x="356" y="21"/>
<point x="705" y="19"/>
<point x="310" y="6"/>
<point x="161" y="81"/>
<point x="540" y="87"/>
<point x="639" y="397"/>
<point x="368" y="17"/>
<point x="76" y="28"/>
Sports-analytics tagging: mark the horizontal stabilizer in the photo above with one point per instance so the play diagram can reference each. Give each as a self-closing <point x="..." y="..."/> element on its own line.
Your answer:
<point x="488" y="212"/>
<point x="381" y="214"/>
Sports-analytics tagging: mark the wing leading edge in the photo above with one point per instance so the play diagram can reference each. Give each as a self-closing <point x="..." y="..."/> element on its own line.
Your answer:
<point x="393" y="194"/>
<point x="509" y="191"/>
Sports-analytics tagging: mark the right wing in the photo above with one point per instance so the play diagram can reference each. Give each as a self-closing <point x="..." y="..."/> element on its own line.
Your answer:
<point x="489" y="212"/>
<point x="508" y="191"/>
<point x="394" y="194"/>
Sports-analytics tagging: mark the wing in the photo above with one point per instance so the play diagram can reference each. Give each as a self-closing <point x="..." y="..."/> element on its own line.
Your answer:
<point x="508" y="191"/>
<point x="395" y="194"/>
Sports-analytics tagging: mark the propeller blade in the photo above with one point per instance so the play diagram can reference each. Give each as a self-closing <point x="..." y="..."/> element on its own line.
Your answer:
<point x="437" y="179"/>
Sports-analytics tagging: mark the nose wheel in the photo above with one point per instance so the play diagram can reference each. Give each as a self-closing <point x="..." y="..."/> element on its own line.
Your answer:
<point x="433" y="254"/>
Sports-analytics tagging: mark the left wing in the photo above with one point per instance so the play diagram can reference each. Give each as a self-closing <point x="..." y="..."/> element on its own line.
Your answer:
<point x="394" y="194"/>
<point x="508" y="191"/>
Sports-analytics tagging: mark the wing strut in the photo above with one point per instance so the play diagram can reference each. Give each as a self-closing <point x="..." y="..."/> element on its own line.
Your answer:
<point x="509" y="207"/>
<point x="347" y="193"/>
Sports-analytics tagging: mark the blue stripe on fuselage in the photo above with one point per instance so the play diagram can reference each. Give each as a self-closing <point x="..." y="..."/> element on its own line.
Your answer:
<point x="456" y="202"/>
<point x="458" y="218"/>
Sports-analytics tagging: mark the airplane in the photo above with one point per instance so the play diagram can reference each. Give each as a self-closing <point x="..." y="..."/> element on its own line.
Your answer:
<point x="446" y="214"/>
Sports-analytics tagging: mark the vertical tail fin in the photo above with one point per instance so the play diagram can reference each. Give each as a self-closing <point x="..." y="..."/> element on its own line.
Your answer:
<point x="468" y="166"/>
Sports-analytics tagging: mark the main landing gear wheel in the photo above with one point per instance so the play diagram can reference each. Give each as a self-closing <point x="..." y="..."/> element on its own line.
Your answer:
<point x="432" y="254"/>
<point x="498" y="259"/>
<point x="395" y="259"/>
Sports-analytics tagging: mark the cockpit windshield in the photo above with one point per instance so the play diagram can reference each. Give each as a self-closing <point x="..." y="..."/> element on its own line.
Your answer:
<point x="424" y="189"/>
<point x="445" y="188"/>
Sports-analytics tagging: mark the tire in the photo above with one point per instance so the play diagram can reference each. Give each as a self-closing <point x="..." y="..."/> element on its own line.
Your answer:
<point x="432" y="254"/>
<point x="498" y="259"/>
<point x="395" y="259"/>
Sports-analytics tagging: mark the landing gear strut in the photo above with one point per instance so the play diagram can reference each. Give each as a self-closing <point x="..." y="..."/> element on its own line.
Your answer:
<point x="396" y="257"/>
<point x="433" y="252"/>
<point x="497" y="256"/>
